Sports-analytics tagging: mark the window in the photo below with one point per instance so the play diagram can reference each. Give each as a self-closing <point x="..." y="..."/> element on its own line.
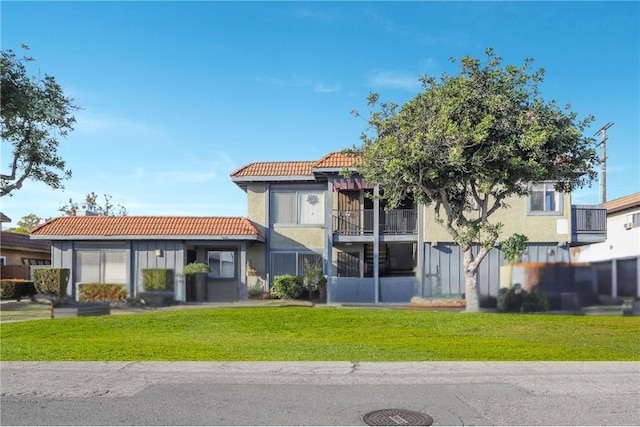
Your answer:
<point x="293" y="263"/>
<point x="545" y="200"/>
<point x="101" y="266"/>
<point x="3" y="260"/>
<point x="297" y="207"/>
<point x="222" y="264"/>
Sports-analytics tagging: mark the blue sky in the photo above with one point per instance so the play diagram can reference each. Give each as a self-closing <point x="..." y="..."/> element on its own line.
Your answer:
<point x="177" y="95"/>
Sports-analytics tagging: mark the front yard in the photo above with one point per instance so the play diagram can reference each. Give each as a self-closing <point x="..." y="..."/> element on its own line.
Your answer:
<point x="330" y="334"/>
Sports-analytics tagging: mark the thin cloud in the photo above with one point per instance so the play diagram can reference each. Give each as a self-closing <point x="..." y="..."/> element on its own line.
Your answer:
<point x="394" y="80"/>
<point x="95" y="123"/>
<point x="303" y="82"/>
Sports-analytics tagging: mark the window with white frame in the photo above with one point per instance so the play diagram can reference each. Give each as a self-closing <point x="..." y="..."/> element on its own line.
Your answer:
<point x="545" y="200"/>
<point x="293" y="263"/>
<point x="305" y="207"/>
<point x="222" y="264"/>
<point x="3" y="260"/>
<point x="101" y="266"/>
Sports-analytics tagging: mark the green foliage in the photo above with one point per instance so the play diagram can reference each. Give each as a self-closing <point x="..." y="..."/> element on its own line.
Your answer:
<point x="92" y="204"/>
<point x="288" y="286"/>
<point x="52" y="281"/>
<point x="313" y="278"/>
<point x="157" y="279"/>
<point x="35" y="114"/>
<point x="516" y="299"/>
<point x="26" y="224"/>
<point x="196" y="267"/>
<point x="100" y="292"/>
<point x="16" y="288"/>
<point x="469" y="142"/>
<point x="513" y="247"/>
<point x="327" y="334"/>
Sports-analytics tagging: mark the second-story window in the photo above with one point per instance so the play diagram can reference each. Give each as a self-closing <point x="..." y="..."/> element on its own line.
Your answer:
<point x="305" y="207"/>
<point x="545" y="200"/>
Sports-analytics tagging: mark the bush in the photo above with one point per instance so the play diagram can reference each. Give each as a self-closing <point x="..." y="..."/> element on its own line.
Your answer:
<point x="157" y="279"/>
<point x="196" y="267"/>
<point x="16" y="288"/>
<point x="288" y="286"/>
<point x="516" y="299"/>
<point x="51" y="281"/>
<point x="95" y="292"/>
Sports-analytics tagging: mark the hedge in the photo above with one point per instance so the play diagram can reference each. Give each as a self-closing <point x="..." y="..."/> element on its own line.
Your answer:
<point x="94" y="292"/>
<point x="51" y="280"/>
<point x="16" y="288"/>
<point x="157" y="279"/>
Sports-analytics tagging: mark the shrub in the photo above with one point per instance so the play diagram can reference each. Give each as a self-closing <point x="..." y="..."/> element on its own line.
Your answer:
<point x="16" y="288"/>
<point x="196" y="267"/>
<point x="157" y="279"/>
<point x="94" y="292"/>
<point x="288" y="286"/>
<point x="52" y="281"/>
<point x="513" y="247"/>
<point x="516" y="299"/>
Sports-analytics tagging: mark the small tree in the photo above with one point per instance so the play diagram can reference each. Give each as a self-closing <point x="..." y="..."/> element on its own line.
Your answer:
<point x="513" y="247"/>
<point x="35" y="114"/>
<point x="469" y="142"/>
<point x="91" y="201"/>
<point x="26" y="224"/>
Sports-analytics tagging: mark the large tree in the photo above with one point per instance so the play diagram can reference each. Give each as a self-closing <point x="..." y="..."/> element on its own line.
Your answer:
<point x="92" y="204"/>
<point x="35" y="115"/>
<point x="469" y="142"/>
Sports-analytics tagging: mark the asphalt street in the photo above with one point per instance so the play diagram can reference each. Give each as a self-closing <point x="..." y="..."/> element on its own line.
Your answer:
<point x="318" y="393"/>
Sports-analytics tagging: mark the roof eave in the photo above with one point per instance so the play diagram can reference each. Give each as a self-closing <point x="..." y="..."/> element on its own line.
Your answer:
<point x="237" y="237"/>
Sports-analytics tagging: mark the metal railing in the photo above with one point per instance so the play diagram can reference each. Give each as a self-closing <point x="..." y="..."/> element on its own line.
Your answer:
<point x="360" y="222"/>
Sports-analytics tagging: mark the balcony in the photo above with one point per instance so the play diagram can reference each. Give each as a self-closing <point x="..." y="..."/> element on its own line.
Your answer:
<point x="360" y="222"/>
<point x="588" y="224"/>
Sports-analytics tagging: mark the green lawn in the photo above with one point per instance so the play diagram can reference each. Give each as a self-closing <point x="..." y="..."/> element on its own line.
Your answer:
<point x="339" y="334"/>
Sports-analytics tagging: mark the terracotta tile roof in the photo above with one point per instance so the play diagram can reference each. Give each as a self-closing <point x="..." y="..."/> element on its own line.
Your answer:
<point x="274" y="169"/>
<point x="622" y="203"/>
<point x="16" y="241"/>
<point x="147" y="226"/>
<point x="336" y="160"/>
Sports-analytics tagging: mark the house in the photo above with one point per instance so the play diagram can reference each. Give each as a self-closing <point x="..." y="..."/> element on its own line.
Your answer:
<point x="617" y="259"/>
<point x="311" y="214"/>
<point x="110" y="249"/>
<point x="18" y="252"/>
<point x="303" y="214"/>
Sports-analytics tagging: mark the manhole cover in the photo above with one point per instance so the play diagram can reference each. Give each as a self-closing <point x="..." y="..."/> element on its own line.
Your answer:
<point x="397" y="417"/>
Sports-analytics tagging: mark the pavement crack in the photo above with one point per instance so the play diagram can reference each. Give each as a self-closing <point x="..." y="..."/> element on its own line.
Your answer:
<point x="354" y="367"/>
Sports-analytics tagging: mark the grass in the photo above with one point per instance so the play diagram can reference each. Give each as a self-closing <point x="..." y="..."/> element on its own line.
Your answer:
<point x="330" y="334"/>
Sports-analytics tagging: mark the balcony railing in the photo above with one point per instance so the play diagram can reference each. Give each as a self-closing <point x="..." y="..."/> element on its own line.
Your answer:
<point x="588" y="223"/>
<point x="360" y="222"/>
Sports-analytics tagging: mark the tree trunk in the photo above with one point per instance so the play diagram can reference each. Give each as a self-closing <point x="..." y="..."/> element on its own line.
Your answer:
<point x="470" y="281"/>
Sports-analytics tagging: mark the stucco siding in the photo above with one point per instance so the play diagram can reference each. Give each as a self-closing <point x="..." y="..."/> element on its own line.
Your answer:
<point x="257" y="204"/>
<point x="297" y="237"/>
<point x="515" y="219"/>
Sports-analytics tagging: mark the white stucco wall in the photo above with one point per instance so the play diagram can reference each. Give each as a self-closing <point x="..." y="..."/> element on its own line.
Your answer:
<point x="620" y="243"/>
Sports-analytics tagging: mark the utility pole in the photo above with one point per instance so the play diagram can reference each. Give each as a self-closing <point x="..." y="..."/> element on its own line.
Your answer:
<point x="603" y="131"/>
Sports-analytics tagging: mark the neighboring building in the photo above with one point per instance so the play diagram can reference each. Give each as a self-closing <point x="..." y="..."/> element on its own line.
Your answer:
<point x="303" y="214"/>
<point x="111" y="249"/>
<point x="309" y="213"/>
<point x="617" y="259"/>
<point x="18" y="252"/>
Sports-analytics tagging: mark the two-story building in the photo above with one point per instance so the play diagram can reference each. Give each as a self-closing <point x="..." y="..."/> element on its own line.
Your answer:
<point x="305" y="214"/>
<point x="310" y="213"/>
